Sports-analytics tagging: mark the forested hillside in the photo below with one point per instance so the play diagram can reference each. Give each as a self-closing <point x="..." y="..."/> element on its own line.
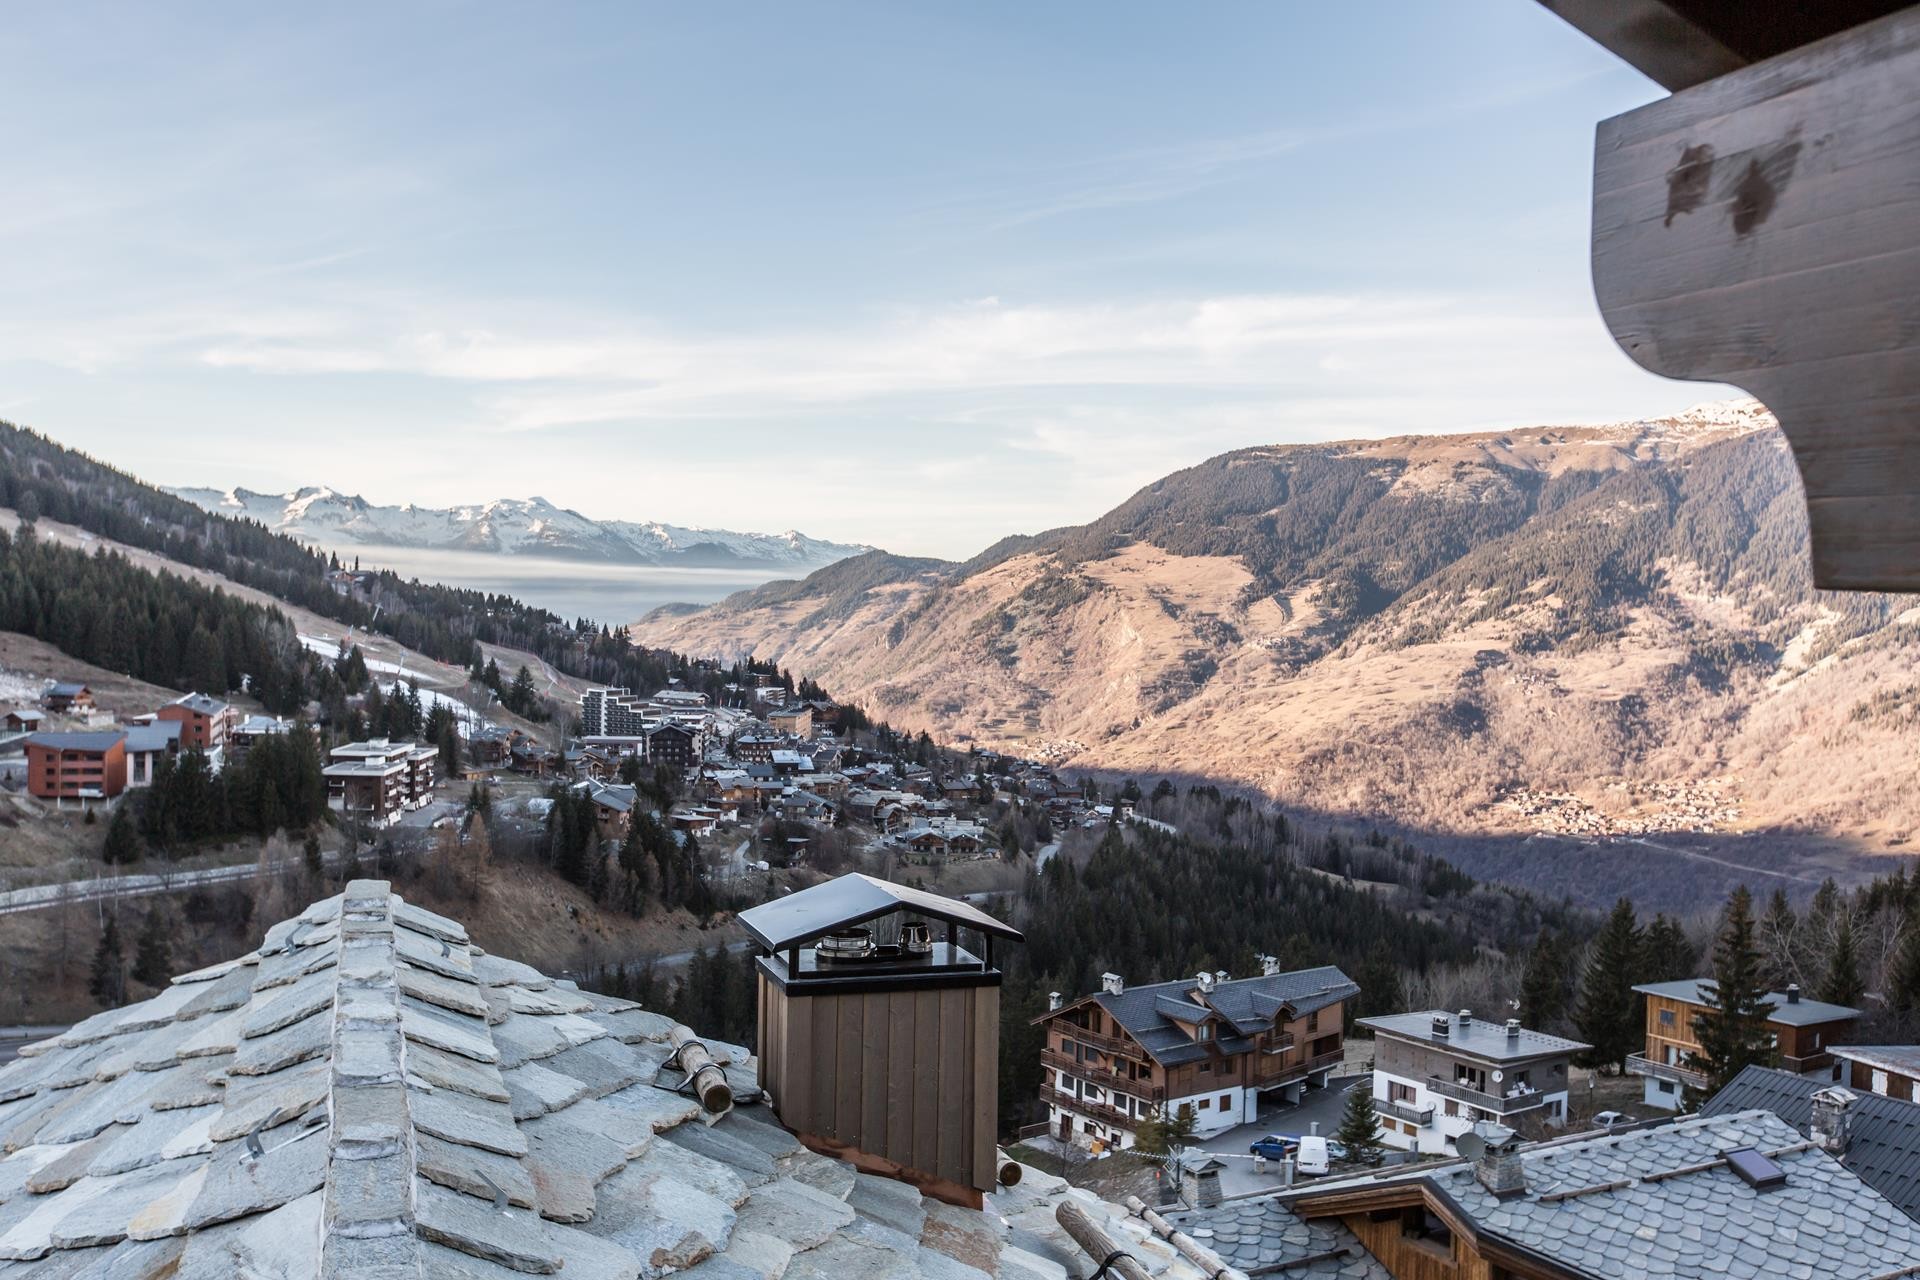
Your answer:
<point x="1514" y="645"/>
<point x="40" y="478"/>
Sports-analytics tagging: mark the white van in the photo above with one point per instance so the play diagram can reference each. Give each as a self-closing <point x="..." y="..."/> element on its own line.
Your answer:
<point x="1313" y="1156"/>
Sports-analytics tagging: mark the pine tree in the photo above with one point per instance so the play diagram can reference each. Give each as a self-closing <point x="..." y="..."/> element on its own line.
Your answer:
<point x="520" y="698"/>
<point x="1733" y="1032"/>
<point x="1608" y="1013"/>
<point x="107" y="979"/>
<point x="1842" y="983"/>
<point x="1903" y="979"/>
<point x="1667" y="955"/>
<point x="123" y="841"/>
<point x="153" y="953"/>
<point x="1543" y="988"/>
<point x="1360" y="1128"/>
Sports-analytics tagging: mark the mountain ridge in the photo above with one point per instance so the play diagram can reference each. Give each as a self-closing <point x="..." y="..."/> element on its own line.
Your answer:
<point x="1581" y="633"/>
<point x="326" y="517"/>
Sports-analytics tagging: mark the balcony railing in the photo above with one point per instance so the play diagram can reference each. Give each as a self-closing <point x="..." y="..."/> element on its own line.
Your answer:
<point x="1507" y="1105"/>
<point x="1639" y="1064"/>
<point x="1422" y="1116"/>
<point x="1103" y="1077"/>
<point x="1105" y="1044"/>
<point x="1279" y="1044"/>
<point x="1092" y="1110"/>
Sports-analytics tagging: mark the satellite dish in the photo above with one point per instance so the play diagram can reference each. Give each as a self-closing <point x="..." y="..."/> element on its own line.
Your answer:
<point x="1470" y="1145"/>
<point x="1497" y="1077"/>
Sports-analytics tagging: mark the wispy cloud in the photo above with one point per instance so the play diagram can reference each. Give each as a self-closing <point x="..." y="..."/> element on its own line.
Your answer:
<point x="541" y="370"/>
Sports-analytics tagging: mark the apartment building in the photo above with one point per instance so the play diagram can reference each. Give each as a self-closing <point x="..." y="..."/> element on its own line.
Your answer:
<point x="1213" y="1045"/>
<point x="81" y="766"/>
<point x="379" y="780"/>
<point x="204" y="722"/>
<point x="1436" y="1075"/>
<point x="1804" y="1033"/>
<point x="613" y="713"/>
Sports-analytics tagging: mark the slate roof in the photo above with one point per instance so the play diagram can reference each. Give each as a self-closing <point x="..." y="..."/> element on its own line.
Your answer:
<point x="1883" y="1144"/>
<point x="66" y="688"/>
<point x="1799" y="1013"/>
<point x="1264" y="1236"/>
<point x="1698" y="1219"/>
<point x="1479" y="1038"/>
<point x="1248" y="1003"/>
<point x="369" y="1094"/>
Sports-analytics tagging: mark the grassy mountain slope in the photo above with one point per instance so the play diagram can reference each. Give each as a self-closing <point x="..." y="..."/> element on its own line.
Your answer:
<point x="1575" y="632"/>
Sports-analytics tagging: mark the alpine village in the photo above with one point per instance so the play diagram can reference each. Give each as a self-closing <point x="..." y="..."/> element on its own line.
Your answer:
<point x="353" y="925"/>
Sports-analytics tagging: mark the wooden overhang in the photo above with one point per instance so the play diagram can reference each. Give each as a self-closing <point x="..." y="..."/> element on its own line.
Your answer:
<point x="1423" y="1192"/>
<point x="1761" y="227"/>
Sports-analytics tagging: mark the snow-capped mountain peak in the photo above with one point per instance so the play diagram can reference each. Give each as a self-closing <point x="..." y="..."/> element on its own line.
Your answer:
<point x="326" y="517"/>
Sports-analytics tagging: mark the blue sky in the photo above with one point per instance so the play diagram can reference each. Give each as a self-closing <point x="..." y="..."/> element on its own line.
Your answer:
<point x="919" y="275"/>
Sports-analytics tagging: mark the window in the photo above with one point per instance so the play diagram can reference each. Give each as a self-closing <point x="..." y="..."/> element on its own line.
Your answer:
<point x="1313" y="1021"/>
<point x="1397" y="1092"/>
<point x="1205" y="1103"/>
<point x="1206" y="1068"/>
<point x="1226" y="1102"/>
<point x="1453" y="1108"/>
<point x="1666" y="1086"/>
<point x="1203" y="1032"/>
<point x="1666" y="1017"/>
<point x="1417" y="1222"/>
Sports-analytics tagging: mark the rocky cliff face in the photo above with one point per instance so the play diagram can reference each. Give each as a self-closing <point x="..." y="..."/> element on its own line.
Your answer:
<point x="1592" y="634"/>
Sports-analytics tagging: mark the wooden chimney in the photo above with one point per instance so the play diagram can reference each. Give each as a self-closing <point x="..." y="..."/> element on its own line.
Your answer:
<point x="880" y="1029"/>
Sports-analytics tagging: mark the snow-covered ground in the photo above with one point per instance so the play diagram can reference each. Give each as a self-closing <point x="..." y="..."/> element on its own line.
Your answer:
<point x="463" y="715"/>
<point x="331" y="649"/>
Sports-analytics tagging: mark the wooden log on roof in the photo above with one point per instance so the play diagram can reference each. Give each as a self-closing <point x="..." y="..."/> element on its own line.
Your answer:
<point x="708" y="1080"/>
<point x="1099" y="1246"/>
<point x="1199" y="1254"/>
<point x="1763" y="229"/>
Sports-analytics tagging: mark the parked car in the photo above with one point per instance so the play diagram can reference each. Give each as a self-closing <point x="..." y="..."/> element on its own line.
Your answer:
<point x="1276" y="1146"/>
<point x="1317" y="1155"/>
<point x="1611" y="1119"/>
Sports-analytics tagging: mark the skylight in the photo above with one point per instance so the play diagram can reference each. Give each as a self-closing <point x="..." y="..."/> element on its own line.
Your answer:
<point x="1756" y="1168"/>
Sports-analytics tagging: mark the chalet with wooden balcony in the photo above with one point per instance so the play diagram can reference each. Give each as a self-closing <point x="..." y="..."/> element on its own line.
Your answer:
<point x="1436" y="1075"/>
<point x="1210" y="1044"/>
<point x="1804" y="1033"/>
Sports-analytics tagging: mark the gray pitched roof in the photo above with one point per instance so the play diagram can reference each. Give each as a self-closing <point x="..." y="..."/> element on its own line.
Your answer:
<point x="158" y="736"/>
<point x="78" y="740"/>
<point x="1263" y="1236"/>
<point x="1661" y="1202"/>
<point x="1478" y="1038"/>
<point x="1883" y="1145"/>
<point x="1248" y="1003"/>
<point x="204" y="704"/>
<point x="1798" y="1013"/>
<point x="371" y="1094"/>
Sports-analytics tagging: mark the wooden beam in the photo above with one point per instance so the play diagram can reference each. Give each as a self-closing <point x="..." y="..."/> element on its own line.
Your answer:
<point x="1101" y="1247"/>
<point x="1763" y="229"/>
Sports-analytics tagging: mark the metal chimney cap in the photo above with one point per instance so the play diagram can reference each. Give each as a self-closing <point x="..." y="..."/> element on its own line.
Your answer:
<point x="1793" y="993"/>
<point x="1513" y="1027"/>
<point x="1466" y="1017"/>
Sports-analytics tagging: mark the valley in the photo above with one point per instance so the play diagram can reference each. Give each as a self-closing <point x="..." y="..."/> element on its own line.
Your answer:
<point x="1528" y="649"/>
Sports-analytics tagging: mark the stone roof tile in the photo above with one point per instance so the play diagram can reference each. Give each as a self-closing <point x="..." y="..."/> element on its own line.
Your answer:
<point x="371" y="1083"/>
